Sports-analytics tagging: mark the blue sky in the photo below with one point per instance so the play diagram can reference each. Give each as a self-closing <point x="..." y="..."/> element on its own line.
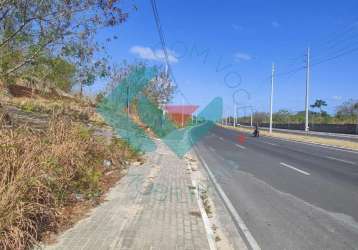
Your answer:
<point x="213" y="44"/>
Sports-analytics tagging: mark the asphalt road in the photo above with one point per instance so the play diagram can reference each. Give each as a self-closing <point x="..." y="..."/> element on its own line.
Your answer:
<point x="290" y="195"/>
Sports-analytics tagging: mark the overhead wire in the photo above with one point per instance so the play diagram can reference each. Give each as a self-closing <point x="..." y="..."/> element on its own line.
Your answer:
<point x="164" y="47"/>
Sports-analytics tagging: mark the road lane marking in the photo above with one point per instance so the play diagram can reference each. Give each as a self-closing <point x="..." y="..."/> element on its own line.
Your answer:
<point x="240" y="146"/>
<point x="212" y="149"/>
<point x="234" y="164"/>
<point x="270" y="143"/>
<point x="248" y="238"/>
<point x="296" y="169"/>
<point x="341" y="160"/>
<point x="221" y="138"/>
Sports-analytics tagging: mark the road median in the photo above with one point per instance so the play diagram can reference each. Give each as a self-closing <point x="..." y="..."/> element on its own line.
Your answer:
<point x="344" y="144"/>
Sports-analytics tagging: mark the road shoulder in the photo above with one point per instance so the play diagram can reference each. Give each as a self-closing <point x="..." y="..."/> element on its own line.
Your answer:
<point x="226" y="234"/>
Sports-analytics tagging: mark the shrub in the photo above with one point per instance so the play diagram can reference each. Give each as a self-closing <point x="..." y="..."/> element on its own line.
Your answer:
<point x="43" y="172"/>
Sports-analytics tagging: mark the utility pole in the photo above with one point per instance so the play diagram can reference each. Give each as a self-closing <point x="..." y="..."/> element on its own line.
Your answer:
<point x="251" y="119"/>
<point x="356" y="108"/>
<point x="307" y="88"/>
<point x="271" y="99"/>
<point x="235" y="114"/>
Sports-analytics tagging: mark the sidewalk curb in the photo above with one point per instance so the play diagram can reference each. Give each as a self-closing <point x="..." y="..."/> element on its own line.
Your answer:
<point x="241" y="226"/>
<point x="204" y="216"/>
<point x="209" y="232"/>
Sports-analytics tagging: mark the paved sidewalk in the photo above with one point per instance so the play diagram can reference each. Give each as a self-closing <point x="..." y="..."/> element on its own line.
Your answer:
<point x="152" y="207"/>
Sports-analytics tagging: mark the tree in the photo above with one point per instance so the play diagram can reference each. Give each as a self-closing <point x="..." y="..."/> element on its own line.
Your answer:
<point x="319" y="104"/>
<point x="281" y="116"/>
<point x="50" y="72"/>
<point x="159" y="90"/>
<point x="33" y="29"/>
<point x="260" y="117"/>
<point x="347" y="109"/>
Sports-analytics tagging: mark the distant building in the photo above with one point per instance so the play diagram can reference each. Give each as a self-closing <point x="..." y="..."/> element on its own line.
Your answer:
<point x="180" y="114"/>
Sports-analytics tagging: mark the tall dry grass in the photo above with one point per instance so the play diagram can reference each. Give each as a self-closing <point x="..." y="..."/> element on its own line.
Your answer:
<point x="76" y="109"/>
<point x="43" y="172"/>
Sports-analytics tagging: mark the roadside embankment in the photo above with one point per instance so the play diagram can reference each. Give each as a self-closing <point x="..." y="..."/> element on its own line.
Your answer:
<point x="56" y="164"/>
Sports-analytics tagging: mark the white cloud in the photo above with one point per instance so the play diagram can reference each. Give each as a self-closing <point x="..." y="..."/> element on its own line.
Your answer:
<point x="239" y="57"/>
<point x="275" y="24"/>
<point x="154" y="55"/>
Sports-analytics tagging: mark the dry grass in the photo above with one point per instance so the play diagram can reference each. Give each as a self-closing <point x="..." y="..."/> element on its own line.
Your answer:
<point x="76" y="109"/>
<point x="44" y="173"/>
<point x="304" y="138"/>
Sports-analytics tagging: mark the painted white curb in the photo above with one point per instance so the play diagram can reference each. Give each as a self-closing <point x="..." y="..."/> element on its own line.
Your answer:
<point x="249" y="239"/>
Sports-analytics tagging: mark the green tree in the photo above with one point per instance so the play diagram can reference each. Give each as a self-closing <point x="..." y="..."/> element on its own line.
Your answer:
<point x="50" y="72"/>
<point x="33" y="29"/>
<point x="319" y="104"/>
<point x="281" y="116"/>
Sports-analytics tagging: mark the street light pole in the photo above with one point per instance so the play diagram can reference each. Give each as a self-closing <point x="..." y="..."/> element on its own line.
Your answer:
<point x="271" y="99"/>
<point x="356" y="108"/>
<point x="307" y="88"/>
<point x="251" y="119"/>
<point x="235" y="114"/>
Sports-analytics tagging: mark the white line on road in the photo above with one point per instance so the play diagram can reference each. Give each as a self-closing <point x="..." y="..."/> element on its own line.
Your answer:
<point x="240" y="223"/>
<point x="341" y="160"/>
<point x="221" y="138"/>
<point x="212" y="149"/>
<point x="240" y="146"/>
<point x="296" y="169"/>
<point x="270" y="143"/>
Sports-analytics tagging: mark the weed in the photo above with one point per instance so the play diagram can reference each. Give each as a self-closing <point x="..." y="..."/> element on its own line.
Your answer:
<point x="42" y="173"/>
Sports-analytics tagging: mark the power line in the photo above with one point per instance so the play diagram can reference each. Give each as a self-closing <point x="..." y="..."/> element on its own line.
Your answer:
<point x="290" y="72"/>
<point x="345" y="47"/>
<point x="332" y="54"/>
<point x="164" y="47"/>
<point x="338" y="34"/>
<point x="346" y="37"/>
<point x="347" y="52"/>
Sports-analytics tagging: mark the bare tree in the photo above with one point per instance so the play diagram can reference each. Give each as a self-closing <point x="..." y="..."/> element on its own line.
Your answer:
<point x="347" y="109"/>
<point x="159" y="89"/>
